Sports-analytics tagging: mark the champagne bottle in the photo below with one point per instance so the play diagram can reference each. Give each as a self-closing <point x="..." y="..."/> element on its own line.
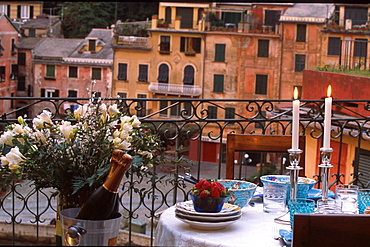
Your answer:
<point x="103" y="201"/>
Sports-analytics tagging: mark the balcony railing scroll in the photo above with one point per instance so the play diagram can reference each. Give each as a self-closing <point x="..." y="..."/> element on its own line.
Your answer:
<point x="195" y="122"/>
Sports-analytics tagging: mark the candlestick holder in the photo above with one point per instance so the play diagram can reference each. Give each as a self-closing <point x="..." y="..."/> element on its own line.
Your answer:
<point x="325" y="167"/>
<point x="294" y="159"/>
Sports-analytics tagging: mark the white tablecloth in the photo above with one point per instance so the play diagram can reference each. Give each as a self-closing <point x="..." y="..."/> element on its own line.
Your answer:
<point x="255" y="228"/>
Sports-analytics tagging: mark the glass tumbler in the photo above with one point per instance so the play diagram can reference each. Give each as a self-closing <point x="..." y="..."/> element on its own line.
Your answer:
<point x="363" y="200"/>
<point x="300" y="205"/>
<point x="347" y="194"/>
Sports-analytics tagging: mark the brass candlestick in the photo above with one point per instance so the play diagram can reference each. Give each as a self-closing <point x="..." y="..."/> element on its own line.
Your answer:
<point x="294" y="159"/>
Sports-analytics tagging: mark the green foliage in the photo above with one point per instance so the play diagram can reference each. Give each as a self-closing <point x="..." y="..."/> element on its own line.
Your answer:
<point x="80" y="17"/>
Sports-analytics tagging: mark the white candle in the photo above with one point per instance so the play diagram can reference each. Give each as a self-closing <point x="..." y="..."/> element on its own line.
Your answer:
<point x="295" y="124"/>
<point x="327" y="120"/>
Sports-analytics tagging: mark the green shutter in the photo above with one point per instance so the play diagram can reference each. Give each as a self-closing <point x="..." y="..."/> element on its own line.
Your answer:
<point x="218" y="85"/>
<point x="220" y="53"/>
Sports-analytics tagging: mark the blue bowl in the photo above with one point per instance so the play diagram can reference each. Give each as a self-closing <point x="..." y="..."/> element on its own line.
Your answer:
<point x="241" y="191"/>
<point x="208" y="204"/>
<point x="304" y="184"/>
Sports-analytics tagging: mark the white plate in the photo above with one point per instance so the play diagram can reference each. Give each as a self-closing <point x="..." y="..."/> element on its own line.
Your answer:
<point x="208" y="218"/>
<point x="187" y="207"/>
<point x="207" y="225"/>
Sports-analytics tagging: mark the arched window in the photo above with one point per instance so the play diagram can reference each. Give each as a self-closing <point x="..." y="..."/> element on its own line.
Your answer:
<point x="163" y="73"/>
<point x="188" y="75"/>
<point x="167" y="17"/>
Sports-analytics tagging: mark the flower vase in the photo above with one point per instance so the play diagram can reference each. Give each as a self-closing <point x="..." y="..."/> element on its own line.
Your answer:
<point x="65" y="201"/>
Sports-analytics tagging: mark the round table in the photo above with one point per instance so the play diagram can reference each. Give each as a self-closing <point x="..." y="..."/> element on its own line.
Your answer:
<point x="254" y="228"/>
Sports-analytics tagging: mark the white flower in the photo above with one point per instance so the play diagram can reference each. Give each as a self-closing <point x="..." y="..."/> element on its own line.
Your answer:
<point x="13" y="159"/>
<point x="126" y="127"/>
<point x="45" y="116"/>
<point x="80" y="111"/>
<point x="123" y="145"/>
<point x="7" y="138"/>
<point x="113" y="110"/>
<point x="136" y="122"/>
<point x="41" y="136"/>
<point x="38" y="123"/>
<point x="66" y="128"/>
<point x="18" y="129"/>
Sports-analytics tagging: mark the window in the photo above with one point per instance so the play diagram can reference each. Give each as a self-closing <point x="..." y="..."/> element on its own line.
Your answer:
<point x="175" y="109"/>
<point x="13" y="47"/>
<point x="48" y="93"/>
<point x="95" y="95"/>
<point x="92" y="44"/>
<point x="24" y="12"/>
<point x="21" y="84"/>
<point x="229" y="113"/>
<point x="187" y="108"/>
<point x="272" y="18"/>
<point x="72" y="94"/>
<point x="31" y="32"/>
<point x="220" y="53"/>
<point x="190" y="45"/>
<point x="163" y="73"/>
<point x="261" y="84"/>
<point x="1" y="49"/>
<point x="21" y="58"/>
<point x="188" y="75"/>
<point x="96" y="74"/>
<point x="358" y="15"/>
<point x="360" y="47"/>
<point x="164" y="46"/>
<point x="334" y="45"/>
<point x="263" y="48"/>
<point x="50" y="71"/>
<point x="143" y="73"/>
<point x="162" y="106"/>
<point x="4" y="9"/>
<point x="167" y="17"/>
<point x="301" y="32"/>
<point x="72" y="72"/>
<point x="2" y="73"/>
<point x="122" y="95"/>
<point x="141" y="105"/>
<point x="122" y="72"/>
<point x="186" y="14"/>
<point x="14" y="72"/>
<point x="212" y="112"/>
<point x="300" y="62"/>
<point x="218" y="83"/>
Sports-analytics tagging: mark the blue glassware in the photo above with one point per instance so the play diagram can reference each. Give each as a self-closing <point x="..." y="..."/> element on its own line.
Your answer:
<point x="300" y="205"/>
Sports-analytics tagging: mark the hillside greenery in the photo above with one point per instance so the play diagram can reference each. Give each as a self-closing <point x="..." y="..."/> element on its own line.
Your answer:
<point x="78" y="18"/>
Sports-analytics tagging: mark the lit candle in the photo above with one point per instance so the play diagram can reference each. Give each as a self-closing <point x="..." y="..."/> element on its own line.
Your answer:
<point x="327" y="120"/>
<point x="295" y="124"/>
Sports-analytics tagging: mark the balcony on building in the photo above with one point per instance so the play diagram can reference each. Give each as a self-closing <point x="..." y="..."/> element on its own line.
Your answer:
<point x="175" y="89"/>
<point x="132" y="34"/>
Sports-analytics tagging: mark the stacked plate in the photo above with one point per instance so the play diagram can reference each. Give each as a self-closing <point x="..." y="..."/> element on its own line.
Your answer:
<point x="229" y="214"/>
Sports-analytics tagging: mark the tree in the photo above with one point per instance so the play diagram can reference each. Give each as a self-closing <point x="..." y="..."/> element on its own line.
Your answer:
<point x="80" y="17"/>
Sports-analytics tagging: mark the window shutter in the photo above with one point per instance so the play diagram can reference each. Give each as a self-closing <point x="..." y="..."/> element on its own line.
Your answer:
<point x="218" y="83"/>
<point x="18" y="12"/>
<point x="188" y="75"/>
<point x="334" y="46"/>
<point x="31" y="12"/>
<point x="220" y="53"/>
<point x="263" y="48"/>
<point x="261" y="84"/>
<point x="42" y="93"/>
<point x="182" y="44"/>
<point x="56" y="93"/>
<point x="197" y="42"/>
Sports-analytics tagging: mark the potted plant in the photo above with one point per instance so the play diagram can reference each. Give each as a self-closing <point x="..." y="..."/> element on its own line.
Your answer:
<point x="73" y="156"/>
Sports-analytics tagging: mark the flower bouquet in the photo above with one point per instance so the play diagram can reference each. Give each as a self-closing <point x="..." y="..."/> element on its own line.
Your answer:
<point x="209" y="196"/>
<point x="73" y="155"/>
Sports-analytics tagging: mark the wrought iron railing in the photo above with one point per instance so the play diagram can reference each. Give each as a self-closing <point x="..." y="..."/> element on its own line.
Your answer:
<point x="189" y="128"/>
